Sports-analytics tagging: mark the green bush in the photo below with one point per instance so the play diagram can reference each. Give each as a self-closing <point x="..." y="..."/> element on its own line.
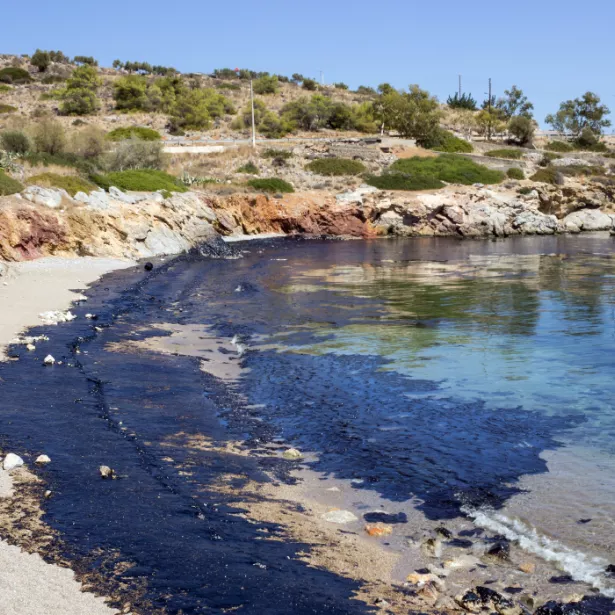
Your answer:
<point x="336" y="166"/>
<point x="41" y="59"/>
<point x="138" y="132"/>
<point x="514" y="173"/>
<point x="522" y="129"/>
<point x="49" y="136"/>
<point x="465" y="101"/>
<point x="81" y="94"/>
<point x="7" y="108"/>
<point x="89" y="143"/>
<point x="140" y="180"/>
<point x="271" y="184"/>
<point x="448" y="168"/>
<point x="249" y="167"/>
<point x="228" y="86"/>
<point x="277" y="153"/>
<point x="15" y="141"/>
<point x="129" y="93"/>
<point x="576" y="170"/>
<point x="12" y="74"/>
<point x="559" y="146"/>
<point x="310" y="85"/>
<point x="8" y="185"/>
<point x="403" y="181"/>
<point x="63" y="159"/>
<point x="71" y="183"/>
<point x="4" y="89"/>
<point x="512" y="154"/>
<point x="52" y="79"/>
<point x="525" y="190"/>
<point x="266" y="85"/>
<point x="548" y="175"/>
<point x="445" y="141"/>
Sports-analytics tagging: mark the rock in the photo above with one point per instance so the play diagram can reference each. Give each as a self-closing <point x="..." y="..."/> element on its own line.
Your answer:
<point x="356" y="196"/>
<point x="573" y="598"/>
<point x="550" y="608"/>
<point x="30" y="347"/>
<point x="47" y="494"/>
<point x="432" y="547"/>
<point x="508" y="607"/>
<point x="527" y="567"/>
<point x="339" y="516"/>
<point x="460" y="543"/>
<point x="470" y="601"/>
<point x="588" y="220"/>
<point x="42" y="459"/>
<point x="106" y="472"/>
<point x="118" y="195"/>
<point x="378" y="529"/>
<point x="49" y="360"/>
<point x="98" y="201"/>
<point x="442" y="531"/>
<point x="430" y="591"/>
<point x="56" y="317"/>
<point x="12" y="461"/>
<point x="610" y="570"/>
<point x="292" y="454"/>
<point x="382" y="517"/>
<point x="499" y="551"/>
<point x="148" y="266"/>
<point x="47" y="197"/>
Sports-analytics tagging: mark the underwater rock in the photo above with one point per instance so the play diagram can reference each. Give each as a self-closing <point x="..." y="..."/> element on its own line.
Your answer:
<point x="292" y="454"/>
<point x="339" y="516"/>
<point x="42" y="459"/>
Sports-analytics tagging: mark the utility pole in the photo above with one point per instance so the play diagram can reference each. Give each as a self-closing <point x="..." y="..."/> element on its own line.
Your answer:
<point x="253" y="124"/>
<point x="459" y="86"/>
<point x="489" y="126"/>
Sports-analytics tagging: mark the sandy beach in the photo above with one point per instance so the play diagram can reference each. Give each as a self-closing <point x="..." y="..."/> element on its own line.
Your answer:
<point x="29" y="585"/>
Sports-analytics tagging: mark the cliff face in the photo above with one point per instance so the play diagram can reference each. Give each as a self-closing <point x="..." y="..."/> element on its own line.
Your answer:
<point x="41" y="222"/>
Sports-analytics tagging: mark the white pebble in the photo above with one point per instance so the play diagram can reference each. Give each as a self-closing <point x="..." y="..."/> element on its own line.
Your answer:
<point x="12" y="461"/>
<point x="42" y="459"/>
<point x="49" y="360"/>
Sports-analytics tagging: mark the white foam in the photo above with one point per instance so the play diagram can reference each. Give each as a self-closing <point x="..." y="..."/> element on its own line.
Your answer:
<point x="580" y="566"/>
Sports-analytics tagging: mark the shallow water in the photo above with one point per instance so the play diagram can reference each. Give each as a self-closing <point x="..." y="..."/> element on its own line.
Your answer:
<point x="470" y="377"/>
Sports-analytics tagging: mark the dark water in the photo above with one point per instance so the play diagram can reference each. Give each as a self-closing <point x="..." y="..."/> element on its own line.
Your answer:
<point x="357" y="351"/>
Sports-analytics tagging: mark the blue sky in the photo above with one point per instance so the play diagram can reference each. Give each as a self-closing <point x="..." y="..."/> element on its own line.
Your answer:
<point x="544" y="46"/>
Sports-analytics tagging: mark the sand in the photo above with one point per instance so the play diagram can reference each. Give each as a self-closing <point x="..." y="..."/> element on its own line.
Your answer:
<point x="28" y="585"/>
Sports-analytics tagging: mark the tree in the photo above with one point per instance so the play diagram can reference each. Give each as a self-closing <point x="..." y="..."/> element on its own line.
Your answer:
<point x="41" y="59"/>
<point x="117" y="64"/>
<point x="80" y="96"/>
<point x="575" y="115"/>
<point x="310" y="84"/>
<point x="340" y="85"/>
<point x="297" y="78"/>
<point x="191" y="112"/>
<point x="129" y="93"/>
<point x="489" y="122"/>
<point x="515" y="102"/>
<point x="266" y="85"/>
<point x="416" y="114"/>
<point x="522" y="128"/>
<point x="465" y="101"/>
<point x="464" y="121"/>
<point x="85" y="60"/>
<point x="49" y="136"/>
<point x="266" y="122"/>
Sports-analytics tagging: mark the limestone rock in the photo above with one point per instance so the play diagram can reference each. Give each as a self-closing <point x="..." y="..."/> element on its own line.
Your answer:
<point x="106" y="472"/>
<point x="588" y="220"/>
<point x="12" y="461"/>
<point x="49" y="360"/>
<point x="339" y="516"/>
<point x="47" y="197"/>
<point x="42" y="460"/>
<point x="292" y="454"/>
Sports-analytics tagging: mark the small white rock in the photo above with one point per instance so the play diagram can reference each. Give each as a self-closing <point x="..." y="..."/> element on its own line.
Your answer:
<point x="292" y="454"/>
<point x="49" y="360"/>
<point x="12" y="461"/>
<point x="31" y="347"/>
<point x="106" y="472"/>
<point x="339" y="516"/>
<point x="41" y="459"/>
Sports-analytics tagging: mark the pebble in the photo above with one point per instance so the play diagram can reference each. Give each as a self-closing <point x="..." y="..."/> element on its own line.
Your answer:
<point x="31" y="347"/>
<point x="148" y="266"/>
<point x="527" y="567"/>
<point x="12" y="461"/>
<point x="292" y="454"/>
<point x="49" y="360"/>
<point x="432" y="547"/>
<point x="339" y="516"/>
<point x="106" y="472"/>
<point x="42" y="459"/>
<point x="378" y="530"/>
<point x="500" y="550"/>
<point x="47" y="494"/>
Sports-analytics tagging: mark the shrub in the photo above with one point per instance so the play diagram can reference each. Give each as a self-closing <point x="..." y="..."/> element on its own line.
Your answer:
<point x="403" y="181"/>
<point x="85" y="60"/>
<point x="271" y="184"/>
<point x="13" y="74"/>
<point x="448" y="168"/>
<point x="228" y="86"/>
<point x="64" y="159"/>
<point x="71" y="183"/>
<point x="55" y="94"/>
<point x="522" y="129"/>
<point x="525" y="190"/>
<point x="277" y="153"/>
<point x="267" y="123"/>
<point x="548" y="175"/>
<point x="137" y="154"/>
<point x="586" y="138"/>
<point x="8" y="185"/>
<point x="445" y="141"/>
<point x="49" y="136"/>
<point x="310" y="84"/>
<point x="138" y="132"/>
<point x="559" y="146"/>
<point x="80" y="96"/>
<point x="7" y="108"/>
<point x="514" y="173"/>
<point x="52" y="79"/>
<point x="266" y="85"/>
<point x="340" y="86"/>
<point x="512" y="154"/>
<point x="15" y="141"/>
<point x="575" y="170"/>
<point x="89" y="143"/>
<point x="336" y="166"/>
<point x="4" y="89"/>
<point x="140" y="180"/>
<point x="465" y="101"/>
<point x="41" y="60"/>
<point x="366" y="89"/>
<point x="249" y="167"/>
<point x="547" y="159"/>
<point x="129" y="93"/>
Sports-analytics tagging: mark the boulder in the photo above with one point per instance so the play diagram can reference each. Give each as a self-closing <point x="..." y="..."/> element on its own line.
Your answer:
<point x="47" y="197"/>
<point x="292" y="454"/>
<point x="42" y="460"/>
<point x="588" y="220"/>
<point x="12" y="461"/>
